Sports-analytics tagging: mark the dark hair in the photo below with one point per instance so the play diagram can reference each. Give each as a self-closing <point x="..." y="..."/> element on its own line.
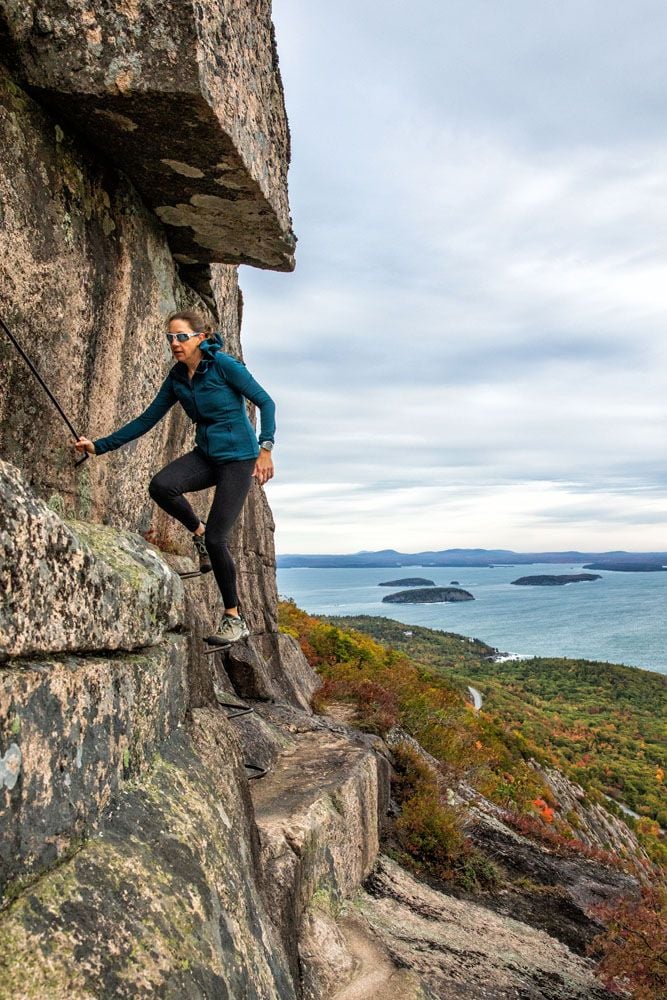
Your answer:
<point x="195" y="319"/>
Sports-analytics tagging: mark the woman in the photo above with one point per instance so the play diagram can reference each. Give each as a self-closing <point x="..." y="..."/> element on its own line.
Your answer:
<point x="212" y="387"/>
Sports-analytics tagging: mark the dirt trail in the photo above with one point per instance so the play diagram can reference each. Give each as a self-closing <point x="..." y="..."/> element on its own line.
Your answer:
<point x="376" y="977"/>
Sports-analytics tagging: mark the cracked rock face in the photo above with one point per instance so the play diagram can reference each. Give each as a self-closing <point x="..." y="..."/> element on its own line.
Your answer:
<point x="186" y="98"/>
<point x="84" y="587"/>
<point x="318" y="812"/>
<point x="75" y="728"/>
<point x="163" y="903"/>
<point x="596" y="826"/>
<point x="86" y="282"/>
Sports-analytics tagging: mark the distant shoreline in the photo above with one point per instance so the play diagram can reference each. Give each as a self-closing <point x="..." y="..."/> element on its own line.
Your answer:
<point x="478" y="558"/>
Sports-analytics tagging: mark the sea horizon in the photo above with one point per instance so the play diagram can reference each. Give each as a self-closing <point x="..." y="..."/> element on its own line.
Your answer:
<point x="462" y="557"/>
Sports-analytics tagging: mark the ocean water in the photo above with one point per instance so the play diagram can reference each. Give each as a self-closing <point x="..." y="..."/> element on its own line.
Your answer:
<point x="621" y="618"/>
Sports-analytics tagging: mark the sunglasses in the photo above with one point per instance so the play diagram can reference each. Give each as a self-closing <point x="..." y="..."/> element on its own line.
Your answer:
<point x="180" y="337"/>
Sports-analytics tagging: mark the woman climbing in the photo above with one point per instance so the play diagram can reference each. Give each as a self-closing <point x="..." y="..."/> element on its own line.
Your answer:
<point x="212" y="387"/>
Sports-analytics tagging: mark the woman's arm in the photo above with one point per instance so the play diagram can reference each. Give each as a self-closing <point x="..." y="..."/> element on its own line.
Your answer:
<point x="240" y="378"/>
<point x="163" y="402"/>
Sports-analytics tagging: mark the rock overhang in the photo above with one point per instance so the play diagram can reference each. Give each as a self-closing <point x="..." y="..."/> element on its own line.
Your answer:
<point x="185" y="97"/>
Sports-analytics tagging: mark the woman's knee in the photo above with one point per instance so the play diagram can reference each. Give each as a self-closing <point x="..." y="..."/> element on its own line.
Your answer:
<point x="216" y="538"/>
<point x="158" y="489"/>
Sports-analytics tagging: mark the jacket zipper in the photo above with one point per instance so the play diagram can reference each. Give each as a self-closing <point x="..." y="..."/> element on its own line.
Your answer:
<point x="194" y="403"/>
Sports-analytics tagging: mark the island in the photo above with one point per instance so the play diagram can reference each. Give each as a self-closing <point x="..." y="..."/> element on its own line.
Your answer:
<point x="430" y="595"/>
<point x="555" y="581"/>
<point x="628" y="567"/>
<point x="408" y="581"/>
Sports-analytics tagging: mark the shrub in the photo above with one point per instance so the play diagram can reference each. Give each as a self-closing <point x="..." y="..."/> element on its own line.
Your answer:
<point x="376" y="707"/>
<point x="429" y="831"/>
<point x="633" y="947"/>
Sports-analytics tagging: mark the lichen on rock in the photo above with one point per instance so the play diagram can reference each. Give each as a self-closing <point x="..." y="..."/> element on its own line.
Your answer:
<point x="163" y="902"/>
<point x="76" y="587"/>
<point x="75" y="729"/>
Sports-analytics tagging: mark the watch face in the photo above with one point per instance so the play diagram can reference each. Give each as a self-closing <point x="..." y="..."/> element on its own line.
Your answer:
<point x="267" y="445"/>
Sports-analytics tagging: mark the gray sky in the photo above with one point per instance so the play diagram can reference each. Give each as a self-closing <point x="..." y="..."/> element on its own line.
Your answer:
<point x="472" y="348"/>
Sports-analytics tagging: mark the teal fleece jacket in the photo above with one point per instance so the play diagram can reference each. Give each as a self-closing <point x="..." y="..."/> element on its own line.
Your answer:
<point x="214" y="400"/>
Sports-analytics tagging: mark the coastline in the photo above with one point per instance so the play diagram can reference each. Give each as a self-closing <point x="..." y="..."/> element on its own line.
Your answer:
<point x="618" y="621"/>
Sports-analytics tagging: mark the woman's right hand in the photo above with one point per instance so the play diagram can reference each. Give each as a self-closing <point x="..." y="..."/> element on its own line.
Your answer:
<point x="84" y="444"/>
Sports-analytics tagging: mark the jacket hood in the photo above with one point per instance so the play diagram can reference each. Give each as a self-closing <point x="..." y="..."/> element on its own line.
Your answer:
<point x="211" y="345"/>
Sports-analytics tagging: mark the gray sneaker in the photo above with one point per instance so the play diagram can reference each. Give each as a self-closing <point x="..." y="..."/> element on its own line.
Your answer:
<point x="232" y="628"/>
<point x="201" y="553"/>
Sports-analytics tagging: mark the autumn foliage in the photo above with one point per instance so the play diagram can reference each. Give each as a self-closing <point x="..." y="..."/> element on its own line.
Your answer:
<point x="633" y="948"/>
<point x="491" y="751"/>
<point x="429" y="831"/>
<point x="386" y="688"/>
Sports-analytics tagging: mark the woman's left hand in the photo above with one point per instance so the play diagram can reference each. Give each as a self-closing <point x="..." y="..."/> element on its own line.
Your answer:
<point x="263" y="467"/>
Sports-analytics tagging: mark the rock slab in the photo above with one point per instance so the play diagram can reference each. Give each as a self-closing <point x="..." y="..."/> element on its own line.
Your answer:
<point x="462" y="950"/>
<point x="79" y="586"/>
<point x="319" y="814"/>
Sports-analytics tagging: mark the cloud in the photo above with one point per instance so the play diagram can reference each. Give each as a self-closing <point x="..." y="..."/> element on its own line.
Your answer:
<point x="480" y="192"/>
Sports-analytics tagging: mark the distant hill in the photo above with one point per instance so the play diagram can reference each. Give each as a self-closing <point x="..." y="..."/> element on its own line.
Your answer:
<point x="467" y="557"/>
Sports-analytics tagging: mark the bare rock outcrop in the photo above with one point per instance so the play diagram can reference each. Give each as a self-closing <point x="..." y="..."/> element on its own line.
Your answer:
<point x="79" y="727"/>
<point x="165" y="901"/>
<point x="86" y="282"/>
<point x="545" y="889"/>
<point x="462" y="950"/>
<point x="319" y="815"/>
<point x="595" y="825"/>
<point x="88" y="278"/>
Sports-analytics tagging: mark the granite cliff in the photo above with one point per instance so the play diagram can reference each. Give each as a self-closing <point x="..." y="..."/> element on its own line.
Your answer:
<point x="144" y="157"/>
<point x="137" y="861"/>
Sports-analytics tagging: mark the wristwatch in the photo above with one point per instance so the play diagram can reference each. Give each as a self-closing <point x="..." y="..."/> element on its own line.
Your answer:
<point x="267" y="445"/>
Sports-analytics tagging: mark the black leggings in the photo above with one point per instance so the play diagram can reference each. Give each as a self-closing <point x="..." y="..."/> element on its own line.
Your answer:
<point x="232" y="481"/>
